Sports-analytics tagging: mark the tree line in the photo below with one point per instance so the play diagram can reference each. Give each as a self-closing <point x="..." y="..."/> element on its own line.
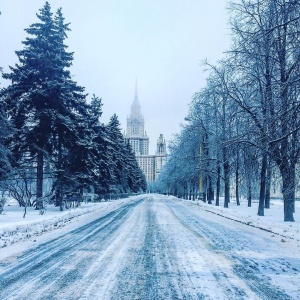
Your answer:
<point x="242" y="129"/>
<point x="53" y="145"/>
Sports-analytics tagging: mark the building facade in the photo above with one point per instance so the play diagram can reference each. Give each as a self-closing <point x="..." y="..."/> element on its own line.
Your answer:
<point x="160" y="155"/>
<point x="151" y="165"/>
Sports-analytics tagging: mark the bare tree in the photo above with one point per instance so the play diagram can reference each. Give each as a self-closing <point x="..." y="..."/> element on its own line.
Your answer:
<point x="265" y="59"/>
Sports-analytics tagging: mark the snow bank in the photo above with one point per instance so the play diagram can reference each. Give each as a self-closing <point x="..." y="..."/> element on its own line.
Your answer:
<point x="15" y="228"/>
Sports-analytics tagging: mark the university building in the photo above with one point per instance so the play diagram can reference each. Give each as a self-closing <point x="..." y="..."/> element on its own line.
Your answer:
<point x="151" y="165"/>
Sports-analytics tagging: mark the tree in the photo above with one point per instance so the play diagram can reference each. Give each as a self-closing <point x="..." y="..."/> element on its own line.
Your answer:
<point x="136" y="179"/>
<point x="42" y="100"/>
<point x="266" y="62"/>
<point x="181" y="175"/>
<point x="5" y="133"/>
<point x="103" y="175"/>
<point x="124" y="173"/>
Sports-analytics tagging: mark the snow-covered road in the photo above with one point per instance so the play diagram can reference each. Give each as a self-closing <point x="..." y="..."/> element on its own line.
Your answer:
<point x="156" y="248"/>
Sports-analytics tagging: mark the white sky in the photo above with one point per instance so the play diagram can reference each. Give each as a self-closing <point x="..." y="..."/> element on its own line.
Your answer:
<point x="160" y="42"/>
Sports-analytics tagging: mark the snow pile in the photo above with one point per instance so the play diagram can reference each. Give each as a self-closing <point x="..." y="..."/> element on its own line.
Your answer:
<point x="15" y="228"/>
<point x="272" y="221"/>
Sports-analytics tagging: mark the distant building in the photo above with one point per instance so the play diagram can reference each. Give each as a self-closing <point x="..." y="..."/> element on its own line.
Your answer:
<point x="160" y="155"/>
<point x="151" y="165"/>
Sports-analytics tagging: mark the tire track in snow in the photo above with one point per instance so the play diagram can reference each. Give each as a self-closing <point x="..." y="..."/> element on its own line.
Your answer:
<point x="35" y="272"/>
<point x="154" y="271"/>
<point x="103" y="284"/>
<point x="137" y="280"/>
<point x="209" y="272"/>
<point x="150" y="249"/>
<point x="221" y="242"/>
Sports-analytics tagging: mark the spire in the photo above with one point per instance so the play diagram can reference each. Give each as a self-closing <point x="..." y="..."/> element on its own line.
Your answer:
<point x="135" y="107"/>
<point x="136" y="95"/>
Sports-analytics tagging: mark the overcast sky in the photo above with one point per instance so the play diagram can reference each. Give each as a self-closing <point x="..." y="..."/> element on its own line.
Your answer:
<point x="160" y="42"/>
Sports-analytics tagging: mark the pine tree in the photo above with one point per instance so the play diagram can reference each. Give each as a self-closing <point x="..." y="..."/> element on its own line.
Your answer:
<point x="116" y="150"/>
<point x="6" y="130"/>
<point x="103" y="175"/>
<point x="42" y="100"/>
<point x="135" y="178"/>
<point x="128" y="176"/>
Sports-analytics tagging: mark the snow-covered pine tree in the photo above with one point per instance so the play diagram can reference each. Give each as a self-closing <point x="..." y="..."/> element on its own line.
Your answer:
<point x="103" y="173"/>
<point x="69" y="133"/>
<point x="127" y="174"/>
<point x="5" y="166"/>
<point x="42" y="100"/>
<point x="6" y="130"/>
<point x="117" y="153"/>
<point x="135" y="177"/>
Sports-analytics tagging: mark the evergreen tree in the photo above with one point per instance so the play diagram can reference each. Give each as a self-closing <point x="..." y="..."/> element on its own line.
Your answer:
<point x="103" y="174"/>
<point x="5" y="166"/>
<point x="116" y="150"/>
<point x="135" y="178"/>
<point x="42" y="100"/>
<point x="128" y="177"/>
<point x="54" y="128"/>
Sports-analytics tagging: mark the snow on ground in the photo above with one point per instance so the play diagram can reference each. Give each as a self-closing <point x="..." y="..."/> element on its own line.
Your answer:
<point x="157" y="247"/>
<point x="15" y="228"/>
<point x="272" y="220"/>
<point x="262" y="251"/>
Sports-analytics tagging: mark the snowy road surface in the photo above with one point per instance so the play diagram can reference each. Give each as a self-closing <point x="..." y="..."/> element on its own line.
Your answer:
<point x="156" y="248"/>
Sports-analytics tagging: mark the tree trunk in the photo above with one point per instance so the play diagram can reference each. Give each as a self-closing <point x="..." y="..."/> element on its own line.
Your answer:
<point x="204" y="196"/>
<point x="39" y="180"/>
<point x="268" y="185"/>
<point x="249" y="194"/>
<point x="237" y="196"/>
<point x="226" y="184"/>
<point x="218" y="185"/>
<point x="262" y="185"/>
<point x="210" y="191"/>
<point x="288" y="191"/>
<point x="58" y="190"/>
<point x="25" y="210"/>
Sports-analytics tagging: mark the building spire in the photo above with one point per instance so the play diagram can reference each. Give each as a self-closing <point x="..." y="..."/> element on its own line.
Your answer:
<point x="136" y="94"/>
<point x="135" y="107"/>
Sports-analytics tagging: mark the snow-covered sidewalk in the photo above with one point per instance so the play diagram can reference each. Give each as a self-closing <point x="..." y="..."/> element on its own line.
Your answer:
<point x="272" y="221"/>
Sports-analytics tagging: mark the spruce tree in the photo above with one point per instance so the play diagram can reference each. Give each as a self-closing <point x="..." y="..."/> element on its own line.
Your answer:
<point x="136" y="179"/>
<point x="103" y="174"/>
<point x="6" y="130"/>
<point x="127" y="174"/>
<point x="4" y="133"/>
<point x="42" y="100"/>
<point x="117" y="152"/>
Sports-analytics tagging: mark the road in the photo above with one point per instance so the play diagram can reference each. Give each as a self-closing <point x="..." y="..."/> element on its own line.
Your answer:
<point x="154" y="248"/>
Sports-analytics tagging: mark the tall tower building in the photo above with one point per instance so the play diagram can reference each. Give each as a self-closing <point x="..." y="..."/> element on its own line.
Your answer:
<point x="151" y="165"/>
<point x="136" y="133"/>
